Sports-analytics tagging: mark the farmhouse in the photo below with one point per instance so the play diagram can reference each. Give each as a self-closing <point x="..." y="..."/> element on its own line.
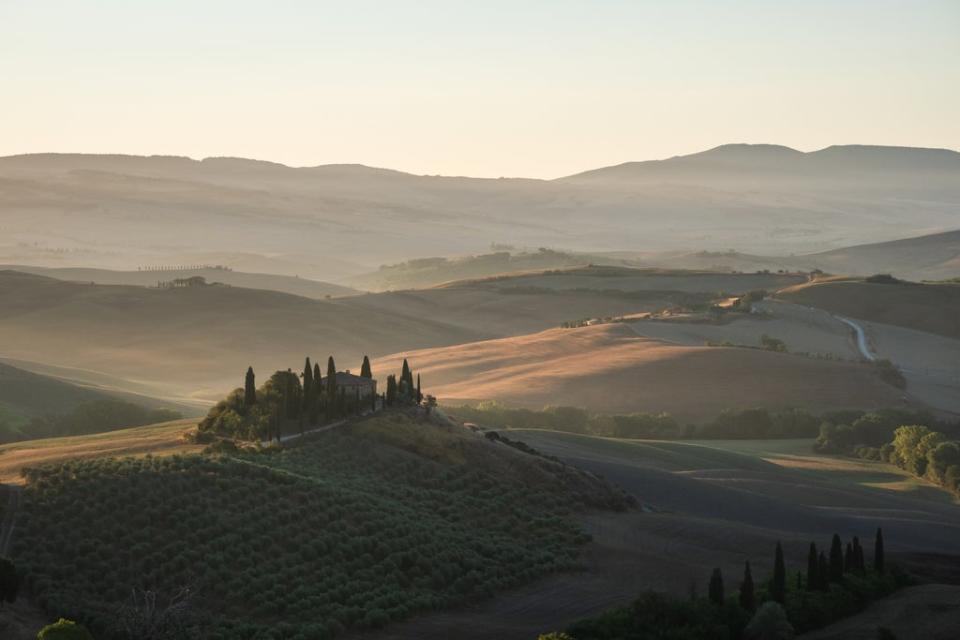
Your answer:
<point x="351" y="384"/>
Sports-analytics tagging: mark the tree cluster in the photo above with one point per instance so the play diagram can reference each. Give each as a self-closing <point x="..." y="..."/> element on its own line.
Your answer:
<point x="834" y="586"/>
<point x="290" y="402"/>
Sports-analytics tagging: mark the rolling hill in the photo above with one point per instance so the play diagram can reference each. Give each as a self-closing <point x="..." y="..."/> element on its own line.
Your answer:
<point x="933" y="308"/>
<point x="334" y="221"/>
<point x="196" y="342"/>
<point x="610" y="368"/>
<point x="152" y="277"/>
<point x="25" y="395"/>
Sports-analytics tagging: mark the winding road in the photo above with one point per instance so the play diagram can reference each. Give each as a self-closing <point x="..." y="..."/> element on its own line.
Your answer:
<point x="861" y="338"/>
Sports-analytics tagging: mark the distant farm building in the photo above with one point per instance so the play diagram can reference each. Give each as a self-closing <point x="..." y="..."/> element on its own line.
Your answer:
<point x="352" y="384"/>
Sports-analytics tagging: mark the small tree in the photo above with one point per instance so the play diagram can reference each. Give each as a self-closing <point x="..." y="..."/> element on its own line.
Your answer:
<point x="778" y="588"/>
<point x="9" y="581"/>
<point x="747" y="597"/>
<point x="878" y="553"/>
<point x="365" y="370"/>
<point x="769" y="623"/>
<point x="430" y="403"/>
<point x="250" y="389"/>
<point x="715" y="590"/>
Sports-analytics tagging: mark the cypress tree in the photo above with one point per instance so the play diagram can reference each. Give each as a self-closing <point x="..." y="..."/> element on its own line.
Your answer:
<point x="747" y="598"/>
<point x="391" y="390"/>
<point x="406" y="381"/>
<point x="836" y="559"/>
<point x="419" y="392"/>
<point x="824" y="572"/>
<point x="365" y="371"/>
<point x="307" y="399"/>
<point x="778" y="589"/>
<point x="331" y="381"/>
<point x="813" y="569"/>
<point x="250" y="389"/>
<point x="849" y="562"/>
<point x="716" y="587"/>
<point x="878" y="559"/>
<point x="858" y="555"/>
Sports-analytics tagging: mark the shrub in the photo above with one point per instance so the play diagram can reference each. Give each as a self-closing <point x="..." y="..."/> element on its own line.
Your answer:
<point x="769" y="623"/>
<point x="64" y="629"/>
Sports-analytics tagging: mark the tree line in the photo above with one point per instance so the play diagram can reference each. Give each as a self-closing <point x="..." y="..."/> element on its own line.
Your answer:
<point x="836" y="583"/>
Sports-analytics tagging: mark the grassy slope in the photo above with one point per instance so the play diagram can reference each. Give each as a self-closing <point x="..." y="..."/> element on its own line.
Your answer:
<point x="609" y="368"/>
<point x="157" y="440"/>
<point x="934" y="308"/>
<point x="359" y="526"/>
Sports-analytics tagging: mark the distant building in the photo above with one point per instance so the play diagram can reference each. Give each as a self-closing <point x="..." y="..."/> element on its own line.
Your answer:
<point x="351" y="383"/>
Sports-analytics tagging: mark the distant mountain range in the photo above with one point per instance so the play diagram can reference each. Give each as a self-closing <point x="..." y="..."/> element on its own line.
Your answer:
<point x="335" y="221"/>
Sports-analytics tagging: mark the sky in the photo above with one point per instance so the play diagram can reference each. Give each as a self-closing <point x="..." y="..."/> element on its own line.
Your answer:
<point x="531" y="88"/>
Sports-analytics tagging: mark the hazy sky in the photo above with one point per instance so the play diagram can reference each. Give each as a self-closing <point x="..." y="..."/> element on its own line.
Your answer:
<point x="519" y="88"/>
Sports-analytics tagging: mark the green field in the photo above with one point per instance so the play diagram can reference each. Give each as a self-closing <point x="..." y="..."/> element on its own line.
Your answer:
<point x="354" y="529"/>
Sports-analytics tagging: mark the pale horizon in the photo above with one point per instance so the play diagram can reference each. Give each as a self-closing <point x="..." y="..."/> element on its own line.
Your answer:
<point x="538" y="91"/>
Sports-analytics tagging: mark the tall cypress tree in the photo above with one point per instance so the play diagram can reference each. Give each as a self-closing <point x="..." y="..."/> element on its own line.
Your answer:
<point x="716" y="587"/>
<point x="419" y="392"/>
<point x="365" y="370"/>
<point x="836" y="559"/>
<point x="331" y="382"/>
<point x="250" y="389"/>
<point x="849" y="563"/>
<point x="391" y="390"/>
<point x="858" y="561"/>
<point x="813" y="569"/>
<point x="778" y="589"/>
<point x="307" y="398"/>
<point x="747" y="598"/>
<point x="878" y="553"/>
<point x="823" y="571"/>
<point x="406" y="380"/>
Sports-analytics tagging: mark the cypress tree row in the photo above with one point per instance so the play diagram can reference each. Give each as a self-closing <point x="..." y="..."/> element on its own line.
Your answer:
<point x="365" y="370"/>
<point x="813" y="569"/>
<point x="250" y="389"/>
<point x="716" y="587"/>
<point x="747" y="598"/>
<point x="778" y="589"/>
<point x="878" y="559"/>
<point x="836" y="559"/>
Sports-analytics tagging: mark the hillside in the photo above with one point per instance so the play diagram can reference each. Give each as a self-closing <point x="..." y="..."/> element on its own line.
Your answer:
<point x="369" y="524"/>
<point x="332" y="222"/>
<point x="25" y="395"/>
<point x="187" y="342"/>
<point x="198" y="341"/>
<point x="150" y="278"/>
<point x="933" y="308"/>
<point x="612" y="369"/>
<point x="627" y="279"/>
<point x="929" y="257"/>
<point x="428" y="272"/>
